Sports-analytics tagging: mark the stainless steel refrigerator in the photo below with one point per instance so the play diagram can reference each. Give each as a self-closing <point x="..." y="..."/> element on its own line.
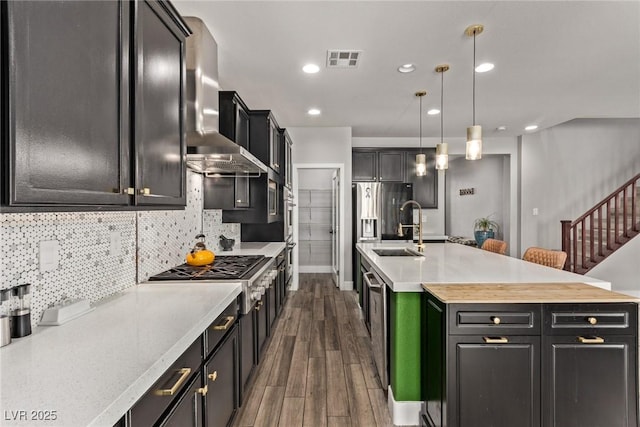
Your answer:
<point x="376" y="210"/>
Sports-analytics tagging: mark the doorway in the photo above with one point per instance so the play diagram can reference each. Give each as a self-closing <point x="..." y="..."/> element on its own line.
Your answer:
<point x="318" y="221"/>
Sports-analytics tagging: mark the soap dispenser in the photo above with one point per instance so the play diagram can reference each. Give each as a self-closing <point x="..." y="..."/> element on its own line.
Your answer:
<point x="21" y="316"/>
<point x="5" y="323"/>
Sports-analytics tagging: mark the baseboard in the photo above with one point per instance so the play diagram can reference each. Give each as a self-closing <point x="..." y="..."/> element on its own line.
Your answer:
<point x="315" y="269"/>
<point x="405" y="413"/>
<point x="347" y="285"/>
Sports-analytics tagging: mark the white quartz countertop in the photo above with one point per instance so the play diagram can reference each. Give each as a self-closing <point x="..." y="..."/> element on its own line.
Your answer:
<point x="268" y="249"/>
<point x="451" y="263"/>
<point x="91" y="370"/>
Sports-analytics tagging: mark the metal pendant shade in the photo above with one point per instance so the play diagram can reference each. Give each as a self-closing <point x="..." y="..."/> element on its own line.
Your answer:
<point x="474" y="133"/>
<point x="421" y="159"/>
<point x="442" y="149"/>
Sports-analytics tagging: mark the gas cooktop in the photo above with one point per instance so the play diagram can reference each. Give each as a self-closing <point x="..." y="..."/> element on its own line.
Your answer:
<point x="229" y="267"/>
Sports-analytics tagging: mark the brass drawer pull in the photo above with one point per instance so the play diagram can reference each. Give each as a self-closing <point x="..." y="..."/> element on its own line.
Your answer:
<point x="184" y="374"/>
<point x="226" y="325"/>
<point x="145" y="191"/>
<point x="591" y="340"/>
<point x="496" y="320"/>
<point x="258" y="305"/>
<point x="592" y="320"/>
<point x="213" y="376"/>
<point x="203" y="390"/>
<point x="495" y="340"/>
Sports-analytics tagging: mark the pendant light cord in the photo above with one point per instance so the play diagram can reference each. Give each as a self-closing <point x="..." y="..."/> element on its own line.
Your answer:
<point x="474" y="78"/>
<point x="441" y="107"/>
<point x="420" y="124"/>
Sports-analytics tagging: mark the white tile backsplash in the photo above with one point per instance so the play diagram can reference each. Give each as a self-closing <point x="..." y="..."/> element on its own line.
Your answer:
<point x="149" y="243"/>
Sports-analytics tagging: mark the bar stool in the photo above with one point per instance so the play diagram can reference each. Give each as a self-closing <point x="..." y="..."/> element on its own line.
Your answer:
<point x="495" y="245"/>
<point x="546" y="257"/>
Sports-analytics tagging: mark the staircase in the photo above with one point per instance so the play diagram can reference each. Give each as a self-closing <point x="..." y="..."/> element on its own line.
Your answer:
<point x="602" y="229"/>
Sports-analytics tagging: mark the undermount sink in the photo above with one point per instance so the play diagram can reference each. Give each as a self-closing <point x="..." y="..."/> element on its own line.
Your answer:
<point x="397" y="252"/>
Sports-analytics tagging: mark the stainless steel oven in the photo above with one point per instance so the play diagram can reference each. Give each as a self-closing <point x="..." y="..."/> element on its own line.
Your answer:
<point x="288" y="214"/>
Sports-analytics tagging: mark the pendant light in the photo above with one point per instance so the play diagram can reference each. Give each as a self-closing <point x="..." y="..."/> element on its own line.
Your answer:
<point x="421" y="159"/>
<point x="442" y="149"/>
<point x="474" y="133"/>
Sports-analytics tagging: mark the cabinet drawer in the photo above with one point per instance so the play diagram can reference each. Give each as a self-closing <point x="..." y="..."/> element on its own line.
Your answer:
<point x="591" y="319"/>
<point x="171" y="384"/>
<point x="220" y="327"/>
<point x="475" y="319"/>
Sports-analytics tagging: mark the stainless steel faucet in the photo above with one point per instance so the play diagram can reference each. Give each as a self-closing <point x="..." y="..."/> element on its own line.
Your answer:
<point x="420" y="244"/>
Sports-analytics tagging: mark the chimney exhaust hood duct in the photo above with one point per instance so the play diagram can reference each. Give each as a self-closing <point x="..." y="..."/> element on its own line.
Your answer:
<point x="208" y="151"/>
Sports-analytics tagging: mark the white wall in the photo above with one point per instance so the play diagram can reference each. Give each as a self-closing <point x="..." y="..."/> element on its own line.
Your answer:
<point x="569" y="168"/>
<point x="490" y="180"/>
<point x="328" y="146"/>
<point x="621" y="268"/>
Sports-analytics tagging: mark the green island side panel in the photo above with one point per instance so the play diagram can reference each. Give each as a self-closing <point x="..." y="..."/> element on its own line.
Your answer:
<point x="404" y="327"/>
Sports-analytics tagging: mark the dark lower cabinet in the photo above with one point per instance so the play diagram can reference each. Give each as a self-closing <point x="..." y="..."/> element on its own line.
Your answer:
<point x="261" y="313"/>
<point x="247" y="351"/>
<point x="495" y="384"/>
<point x="273" y="301"/>
<point x="551" y="365"/>
<point x="188" y="411"/>
<point x="221" y="378"/>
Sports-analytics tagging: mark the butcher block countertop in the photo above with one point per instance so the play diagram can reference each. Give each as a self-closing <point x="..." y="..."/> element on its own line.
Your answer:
<point x="497" y="293"/>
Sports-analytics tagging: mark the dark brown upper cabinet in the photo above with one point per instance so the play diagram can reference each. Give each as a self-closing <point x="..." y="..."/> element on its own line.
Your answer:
<point x="265" y="138"/>
<point x="92" y="96"/>
<point x="234" y="118"/>
<point x="286" y="158"/>
<point x="397" y="165"/>
<point x="158" y="87"/>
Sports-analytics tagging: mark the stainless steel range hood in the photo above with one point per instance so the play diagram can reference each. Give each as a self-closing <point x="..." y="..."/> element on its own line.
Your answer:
<point x="208" y="151"/>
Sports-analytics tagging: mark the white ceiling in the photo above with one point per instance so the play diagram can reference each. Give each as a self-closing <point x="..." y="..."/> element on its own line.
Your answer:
<point x="555" y="61"/>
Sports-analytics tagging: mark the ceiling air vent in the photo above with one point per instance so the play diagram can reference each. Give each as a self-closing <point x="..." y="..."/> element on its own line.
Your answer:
<point x="343" y="58"/>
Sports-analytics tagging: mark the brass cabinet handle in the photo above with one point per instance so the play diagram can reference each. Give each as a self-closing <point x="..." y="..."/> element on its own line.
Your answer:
<point x="145" y="191"/>
<point x="203" y="390"/>
<point x="226" y="325"/>
<point x="213" y="376"/>
<point x="129" y="191"/>
<point x="592" y="320"/>
<point x="495" y="340"/>
<point x="496" y="320"/>
<point x="184" y="374"/>
<point x="258" y="305"/>
<point x="591" y="340"/>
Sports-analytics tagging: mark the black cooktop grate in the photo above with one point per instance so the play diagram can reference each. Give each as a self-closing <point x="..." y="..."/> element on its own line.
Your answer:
<point x="229" y="267"/>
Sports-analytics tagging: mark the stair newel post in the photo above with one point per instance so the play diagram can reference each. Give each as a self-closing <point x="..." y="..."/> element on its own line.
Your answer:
<point x="566" y="243"/>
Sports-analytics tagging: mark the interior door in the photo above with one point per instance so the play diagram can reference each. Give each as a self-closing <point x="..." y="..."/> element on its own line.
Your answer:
<point x="335" y="227"/>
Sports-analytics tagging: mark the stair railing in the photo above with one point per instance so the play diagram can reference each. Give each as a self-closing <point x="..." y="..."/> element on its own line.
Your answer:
<point x="602" y="229"/>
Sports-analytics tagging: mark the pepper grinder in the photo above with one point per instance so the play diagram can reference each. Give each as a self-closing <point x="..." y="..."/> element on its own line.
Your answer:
<point x="21" y="317"/>
<point x="5" y="320"/>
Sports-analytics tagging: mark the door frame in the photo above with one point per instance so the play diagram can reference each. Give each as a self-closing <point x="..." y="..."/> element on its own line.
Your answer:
<point x="296" y="260"/>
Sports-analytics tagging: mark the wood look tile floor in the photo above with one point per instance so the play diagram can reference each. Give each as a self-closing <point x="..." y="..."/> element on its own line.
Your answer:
<point x="317" y="369"/>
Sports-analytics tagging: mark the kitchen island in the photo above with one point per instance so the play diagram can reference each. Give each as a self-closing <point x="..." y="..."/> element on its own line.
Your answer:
<point x="441" y="264"/>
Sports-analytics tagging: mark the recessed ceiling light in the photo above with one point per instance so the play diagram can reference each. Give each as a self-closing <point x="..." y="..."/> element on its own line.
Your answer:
<point x="313" y="112"/>
<point x="483" y="68"/>
<point x="406" y="68"/>
<point x="531" y="127"/>
<point x="501" y="128"/>
<point x="311" y="68"/>
<point x="433" y="112"/>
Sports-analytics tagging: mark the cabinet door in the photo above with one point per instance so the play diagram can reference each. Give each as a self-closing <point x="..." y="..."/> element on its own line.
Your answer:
<point x="242" y="128"/>
<point x="274" y="143"/>
<point x="66" y="97"/>
<point x="247" y="351"/>
<point x="364" y="166"/>
<point x="188" y="411"/>
<point x="425" y="188"/>
<point x="590" y="384"/>
<point x="261" y="326"/>
<point x="159" y="115"/>
<point x="494" y="384"/>
<point x="221" y="376"/>
<point x="391" y="166"/>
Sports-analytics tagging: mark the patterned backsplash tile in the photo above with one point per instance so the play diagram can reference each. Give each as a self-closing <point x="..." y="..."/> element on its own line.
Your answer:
<point x="102" y="253"/>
